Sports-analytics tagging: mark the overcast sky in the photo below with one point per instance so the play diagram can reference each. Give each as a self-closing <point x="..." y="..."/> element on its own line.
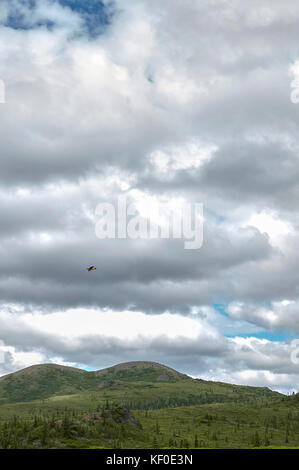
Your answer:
<point x="158" y="101"/>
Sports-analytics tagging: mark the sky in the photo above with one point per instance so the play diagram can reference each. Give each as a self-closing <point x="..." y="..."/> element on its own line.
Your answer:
<point x="159" y="102"/>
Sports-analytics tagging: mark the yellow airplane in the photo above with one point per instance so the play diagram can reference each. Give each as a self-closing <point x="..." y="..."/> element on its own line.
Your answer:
<point x="92" y="268"/>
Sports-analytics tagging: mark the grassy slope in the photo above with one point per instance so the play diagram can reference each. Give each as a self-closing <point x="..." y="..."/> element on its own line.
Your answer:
<point x="143" y="395"/>
<point x="202" y="426"/>
<point x="223" y="426"/>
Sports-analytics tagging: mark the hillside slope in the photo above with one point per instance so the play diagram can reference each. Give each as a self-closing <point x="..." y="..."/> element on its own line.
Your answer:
<point x="140" y="385"/>
<point x="44" y="380"/>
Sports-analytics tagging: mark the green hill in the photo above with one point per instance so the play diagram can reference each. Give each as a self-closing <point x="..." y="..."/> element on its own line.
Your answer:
<point x="148" y="405"/>
<point x="141" y="371"/>
<point x="140" y="384"/>
<point x="46" y="380"/>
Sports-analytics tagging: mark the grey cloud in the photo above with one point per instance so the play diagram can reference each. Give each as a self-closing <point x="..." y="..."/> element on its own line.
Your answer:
<point x="150" y="274"/>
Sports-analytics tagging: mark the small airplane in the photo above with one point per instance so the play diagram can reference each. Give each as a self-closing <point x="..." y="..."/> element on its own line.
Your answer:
<point x="91" y="268"/>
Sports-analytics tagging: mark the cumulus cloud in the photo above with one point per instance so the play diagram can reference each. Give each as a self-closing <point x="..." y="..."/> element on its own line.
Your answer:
<point x="101" y="335"/>
<point x="280" y="315"/>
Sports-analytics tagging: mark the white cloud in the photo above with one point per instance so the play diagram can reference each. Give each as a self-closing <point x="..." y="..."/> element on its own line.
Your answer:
<point x="191" y="155"/>
<point x="73" y="324"/>
<point x="269" y="222"/>
<point x="294" y="71"/>
<point x="283" y="383"/>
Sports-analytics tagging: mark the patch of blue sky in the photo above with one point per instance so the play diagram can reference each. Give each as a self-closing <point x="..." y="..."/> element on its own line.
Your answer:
<point x="88" y="369"/>
<point x="221" y="308"/>
<point x="232" y="327"/>
<point x="95" y="14"/>
<point x="17" y="19"/>
<point x="245" y="329"/>
<point x="266" y="334"/>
